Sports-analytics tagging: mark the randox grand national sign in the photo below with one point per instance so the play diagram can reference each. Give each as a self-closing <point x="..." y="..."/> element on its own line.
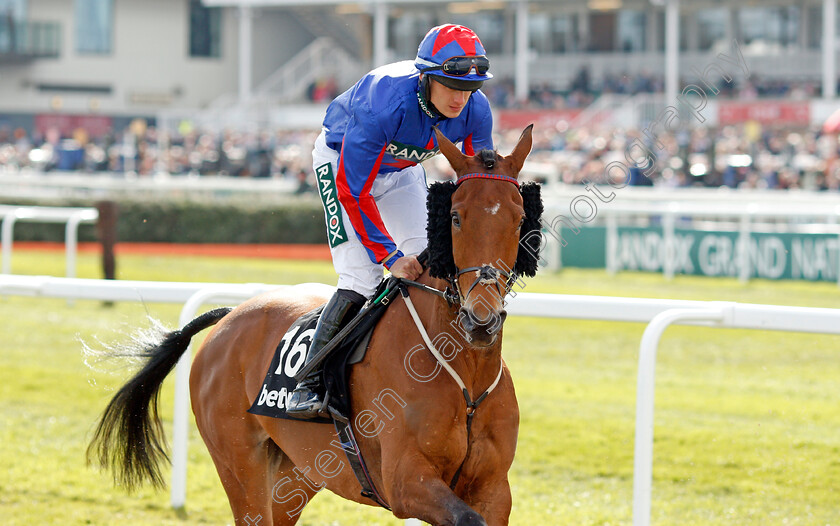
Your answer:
<point x="812" y="257"/>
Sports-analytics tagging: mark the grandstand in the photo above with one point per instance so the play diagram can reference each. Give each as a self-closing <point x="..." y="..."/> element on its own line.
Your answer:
<point x="99" y="64"/>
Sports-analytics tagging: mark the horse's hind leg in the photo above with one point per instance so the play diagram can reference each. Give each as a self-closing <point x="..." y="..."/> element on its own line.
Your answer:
<point x="249" y="463"/>
<point x="245" y="477"/>
<point x="261" y="486"/>
<point x="290" y="493"/>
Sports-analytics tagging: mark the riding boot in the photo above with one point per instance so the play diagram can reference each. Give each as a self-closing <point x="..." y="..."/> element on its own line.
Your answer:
<point x="305" y="401"/>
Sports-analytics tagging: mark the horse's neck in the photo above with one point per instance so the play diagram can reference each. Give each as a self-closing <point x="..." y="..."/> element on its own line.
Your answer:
<point x="477" y="366"/>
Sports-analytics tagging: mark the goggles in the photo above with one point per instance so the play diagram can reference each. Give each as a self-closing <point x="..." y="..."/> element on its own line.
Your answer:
<point x="461" y="66"/>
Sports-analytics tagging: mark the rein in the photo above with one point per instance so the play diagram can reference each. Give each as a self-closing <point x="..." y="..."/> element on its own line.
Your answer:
<point x="448" y="294"/>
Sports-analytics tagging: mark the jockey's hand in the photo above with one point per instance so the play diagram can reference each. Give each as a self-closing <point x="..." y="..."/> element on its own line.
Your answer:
<point x="407" y="267"/>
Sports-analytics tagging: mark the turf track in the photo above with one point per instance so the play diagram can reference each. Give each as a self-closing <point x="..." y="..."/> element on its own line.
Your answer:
<point x="747" y="425"/>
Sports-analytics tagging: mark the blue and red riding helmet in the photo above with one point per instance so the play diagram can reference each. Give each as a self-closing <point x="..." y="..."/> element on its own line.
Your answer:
<point x="454" y="56"/>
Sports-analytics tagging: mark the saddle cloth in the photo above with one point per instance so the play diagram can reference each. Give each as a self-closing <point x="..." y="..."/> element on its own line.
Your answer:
<point x="293" y="348"/>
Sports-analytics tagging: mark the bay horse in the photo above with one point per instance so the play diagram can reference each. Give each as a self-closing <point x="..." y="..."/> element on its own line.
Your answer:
<point x="431" y="450"/>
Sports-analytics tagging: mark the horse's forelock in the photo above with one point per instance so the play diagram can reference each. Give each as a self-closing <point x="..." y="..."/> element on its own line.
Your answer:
<point x="489" y="158"/>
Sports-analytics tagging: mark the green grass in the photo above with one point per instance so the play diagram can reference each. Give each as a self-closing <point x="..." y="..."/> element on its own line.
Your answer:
<point x="747" y="427"/>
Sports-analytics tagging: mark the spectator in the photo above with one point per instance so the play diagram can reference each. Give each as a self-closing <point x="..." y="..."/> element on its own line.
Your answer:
<point x="742" y="156"/>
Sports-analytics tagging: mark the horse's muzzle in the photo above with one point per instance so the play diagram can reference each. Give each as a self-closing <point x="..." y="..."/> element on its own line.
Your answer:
<point x="482" y="331"/>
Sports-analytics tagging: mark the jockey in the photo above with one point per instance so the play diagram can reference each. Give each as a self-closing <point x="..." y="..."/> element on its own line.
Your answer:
<point x="373" y="187"/>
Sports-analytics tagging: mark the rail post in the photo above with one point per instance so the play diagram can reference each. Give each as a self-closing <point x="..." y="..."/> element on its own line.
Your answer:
<point x="643" y="454"/>
<point x="9" y="219"/>
<point x="106" y="228"/>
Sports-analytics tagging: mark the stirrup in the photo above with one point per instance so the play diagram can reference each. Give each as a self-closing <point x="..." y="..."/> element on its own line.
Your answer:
<point x="310" y="407"/>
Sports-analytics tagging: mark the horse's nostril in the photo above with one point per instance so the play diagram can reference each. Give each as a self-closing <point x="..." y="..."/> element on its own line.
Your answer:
<point x="491" y="325"/>
<point x="495" y="326"/>
<point x="502" y="318"/>
<point x="468" y="320"/>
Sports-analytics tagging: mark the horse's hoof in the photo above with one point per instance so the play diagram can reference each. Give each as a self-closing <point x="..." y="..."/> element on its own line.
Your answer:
<point x="470" y="518"/>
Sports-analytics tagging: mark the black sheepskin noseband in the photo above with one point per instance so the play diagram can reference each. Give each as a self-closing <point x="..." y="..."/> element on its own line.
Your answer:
<point x="439" y="230"/>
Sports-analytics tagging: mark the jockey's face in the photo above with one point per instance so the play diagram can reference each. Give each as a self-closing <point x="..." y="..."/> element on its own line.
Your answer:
<point x="449" y="102"/>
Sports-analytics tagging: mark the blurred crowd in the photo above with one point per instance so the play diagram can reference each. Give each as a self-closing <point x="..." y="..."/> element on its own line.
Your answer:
<point x="737" y="156"/>
<point x="144" y="150"/>
<point x="744" y="156"/>
<point x="582" y="90"/>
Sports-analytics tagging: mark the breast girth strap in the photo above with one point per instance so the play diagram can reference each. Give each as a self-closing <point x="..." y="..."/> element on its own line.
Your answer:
<point x="471" y="405"/>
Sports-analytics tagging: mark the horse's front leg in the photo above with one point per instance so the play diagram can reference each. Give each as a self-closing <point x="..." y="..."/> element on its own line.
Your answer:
<point x="484" y="480"/>
<point x="417" y="491"/>
<point x="492" y="499"/>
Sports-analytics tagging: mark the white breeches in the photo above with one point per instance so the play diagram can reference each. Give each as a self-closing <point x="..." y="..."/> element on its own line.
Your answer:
<point x="401" y="199"/>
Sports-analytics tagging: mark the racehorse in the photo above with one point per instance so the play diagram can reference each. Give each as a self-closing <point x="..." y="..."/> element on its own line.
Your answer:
<point x="438" y="436"/>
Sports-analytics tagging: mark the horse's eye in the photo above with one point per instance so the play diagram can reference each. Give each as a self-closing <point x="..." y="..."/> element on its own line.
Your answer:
<point x="521" y="222"/>
<point x="456" y="220"/>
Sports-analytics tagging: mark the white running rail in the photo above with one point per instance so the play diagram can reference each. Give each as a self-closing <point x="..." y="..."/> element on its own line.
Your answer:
<point x="72" y="217"/>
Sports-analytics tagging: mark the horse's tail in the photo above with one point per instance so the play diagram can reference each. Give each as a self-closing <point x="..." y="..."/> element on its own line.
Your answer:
<point x="129" y="438"/>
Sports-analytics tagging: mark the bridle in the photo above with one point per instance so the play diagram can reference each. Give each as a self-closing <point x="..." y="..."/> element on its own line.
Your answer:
<point x="485" y="274"/>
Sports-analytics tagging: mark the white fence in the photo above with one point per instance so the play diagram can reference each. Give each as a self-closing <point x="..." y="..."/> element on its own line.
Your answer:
<point x="71" y="217"/>
<point x="103" y="185"/>
<point x="658" y="314"/>
<point x="34" y="185"/>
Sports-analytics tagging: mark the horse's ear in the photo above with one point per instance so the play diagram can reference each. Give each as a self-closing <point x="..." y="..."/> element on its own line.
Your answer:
<point x="530" y="236"/>
<point x="522" y="149"/>
<point x="439" y="230"/>
<point x="456" y="159"/>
